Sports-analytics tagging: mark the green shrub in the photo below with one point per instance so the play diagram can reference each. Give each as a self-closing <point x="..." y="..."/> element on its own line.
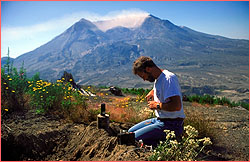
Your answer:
<point x="36" y="77"/>
<point x="244" y="104"/>
<point x="136" y="91"/>
<point x="207" y="99"/>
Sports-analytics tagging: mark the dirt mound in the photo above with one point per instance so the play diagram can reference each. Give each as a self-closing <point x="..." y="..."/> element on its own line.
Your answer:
<point x="35" y="137"/>
<point x="90" y="143"/>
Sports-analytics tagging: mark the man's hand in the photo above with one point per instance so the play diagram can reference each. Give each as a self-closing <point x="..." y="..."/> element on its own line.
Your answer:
<point x="152" y="105"/>
<point x="150" y="96"/>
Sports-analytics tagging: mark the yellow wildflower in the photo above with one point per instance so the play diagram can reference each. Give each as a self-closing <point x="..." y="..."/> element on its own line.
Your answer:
<point x="70" y="80"/>
<point x="13" y="91"/>
<point x="63" y="78"/>
<point x="4" y="83"/>
<point x="10" y="79"/>
<point x="7" y="87"/>
<point x="6" y="109"/>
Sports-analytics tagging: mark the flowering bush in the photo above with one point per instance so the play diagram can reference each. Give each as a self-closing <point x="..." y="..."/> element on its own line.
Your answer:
<point x="13" y="88"/>
<point x="46" y="96"/>
<point x="186" y="150"/>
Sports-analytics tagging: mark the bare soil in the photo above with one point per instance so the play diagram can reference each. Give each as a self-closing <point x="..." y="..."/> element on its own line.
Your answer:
<point x="29" y="136"/>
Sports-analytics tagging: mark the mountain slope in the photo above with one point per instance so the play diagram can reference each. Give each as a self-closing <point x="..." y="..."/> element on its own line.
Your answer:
<point x="100" y="57"/>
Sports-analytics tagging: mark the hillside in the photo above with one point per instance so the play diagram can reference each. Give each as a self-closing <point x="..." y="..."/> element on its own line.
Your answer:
<point x="5" y="59"/>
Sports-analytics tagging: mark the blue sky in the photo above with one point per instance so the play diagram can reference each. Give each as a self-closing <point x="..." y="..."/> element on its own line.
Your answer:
<point x="27" y="25"/>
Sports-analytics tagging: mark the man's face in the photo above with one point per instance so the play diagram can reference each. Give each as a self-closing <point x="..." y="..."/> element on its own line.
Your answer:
<point x="146" y="76"/>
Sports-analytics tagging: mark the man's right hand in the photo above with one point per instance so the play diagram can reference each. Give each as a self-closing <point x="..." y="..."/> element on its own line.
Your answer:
<point x="150" y="96"/>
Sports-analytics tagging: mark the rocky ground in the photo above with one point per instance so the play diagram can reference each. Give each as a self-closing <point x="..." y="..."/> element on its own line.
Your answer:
<point x="28" y="136"/>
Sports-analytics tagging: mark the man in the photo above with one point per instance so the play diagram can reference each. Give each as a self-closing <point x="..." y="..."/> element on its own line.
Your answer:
<point x="165" y="98"/>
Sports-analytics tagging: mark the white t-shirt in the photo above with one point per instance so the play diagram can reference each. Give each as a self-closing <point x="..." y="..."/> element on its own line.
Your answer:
<point x="167" y="85"/>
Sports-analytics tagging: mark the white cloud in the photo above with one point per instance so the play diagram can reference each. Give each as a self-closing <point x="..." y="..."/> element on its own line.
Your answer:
<point x="125" y="18"/>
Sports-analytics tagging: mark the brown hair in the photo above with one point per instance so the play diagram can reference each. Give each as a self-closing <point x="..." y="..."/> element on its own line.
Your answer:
<point x="141" y="63"/>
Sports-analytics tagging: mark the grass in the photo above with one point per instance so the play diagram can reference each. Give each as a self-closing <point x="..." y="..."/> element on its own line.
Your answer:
<point x="199" y="121"/>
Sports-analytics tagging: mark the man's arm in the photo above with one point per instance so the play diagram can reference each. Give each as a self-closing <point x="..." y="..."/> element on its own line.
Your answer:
<point x="150" y="96"/>
<point x="174" y="104"/>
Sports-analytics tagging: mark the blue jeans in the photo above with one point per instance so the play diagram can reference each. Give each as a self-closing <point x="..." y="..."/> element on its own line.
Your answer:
<point x="151" y="131"/>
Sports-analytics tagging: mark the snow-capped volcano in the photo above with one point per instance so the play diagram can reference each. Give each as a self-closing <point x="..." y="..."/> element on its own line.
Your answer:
<point x="95" y="57"/>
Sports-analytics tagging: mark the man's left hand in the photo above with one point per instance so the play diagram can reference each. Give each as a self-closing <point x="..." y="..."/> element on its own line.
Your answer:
<point x="152" y="105"/>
